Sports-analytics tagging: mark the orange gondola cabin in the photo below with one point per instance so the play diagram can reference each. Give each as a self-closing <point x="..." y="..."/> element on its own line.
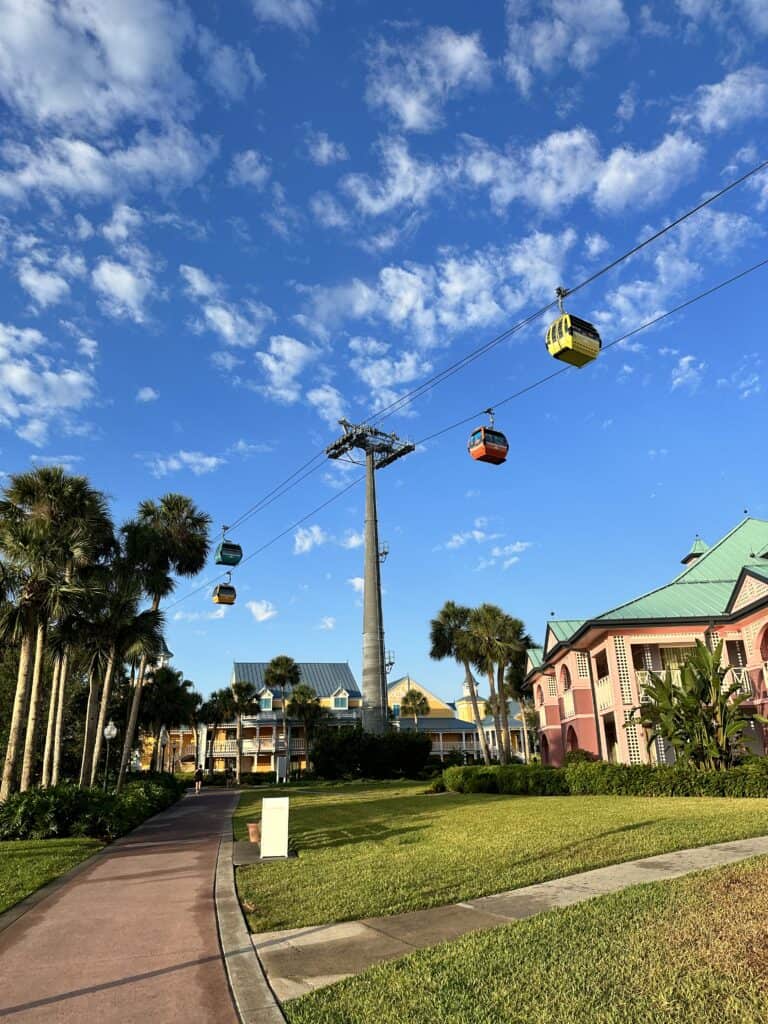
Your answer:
<point x="488" y="445"/>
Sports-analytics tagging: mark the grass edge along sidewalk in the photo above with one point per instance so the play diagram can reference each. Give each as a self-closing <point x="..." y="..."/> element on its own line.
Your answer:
<point x="691" y="951"/>
<point x="28" y="865"/>
<point x="402" y="850"/>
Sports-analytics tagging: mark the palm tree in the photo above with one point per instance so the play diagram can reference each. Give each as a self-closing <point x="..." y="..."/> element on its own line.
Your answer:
<point x="50" y="525"/>
<point x="169" y="700"/>
<point x="284" y="674"/>
<point x="416" y="704"/>
<point x="514" y="643"/>
<point x="514" y="682"/>
<point x="129" y="634"/>
<point x="488" y="630"/>
<point x="450" y="638"/>
<point x="244" y="694"/>
<point x="169" y="536"/>
<point x="305" y="706"/>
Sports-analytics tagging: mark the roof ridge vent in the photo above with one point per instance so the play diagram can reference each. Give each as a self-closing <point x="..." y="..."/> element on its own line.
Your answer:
<point x="698" y="548"/>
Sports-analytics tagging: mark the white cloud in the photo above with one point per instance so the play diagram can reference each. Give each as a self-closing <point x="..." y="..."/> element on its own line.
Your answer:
<point x="406" y="181"/>
<point x="688" y="373"/>
<point x="413" y="81"/>
<point x="308" y="537"/>
<point x="745" y="379"/>
<point x="738" y="20"/>
<point x="352" y="540"/>
<point x="561" y="33"/>
<point x="147" y="394"/>
<point x="357" y="583"/>
<point x="199" y="285"/>
<point x="36" y="388"/>
<point x="249" y="168"/>
<point x="299" y="15"/>
<point x="88" y="347"/>
<point x="217" y="613"/>
<point x="90" y="64"/>
<point x="284" y="362"/>
<point x="595" y="245"/>
<point x="328" y="622"/>
<point x="515" y="548"/>
<point x="197" y="462"/>
<point x="627" y="104"/>
<point x="124" y="289"/>
<point x="328" y="402"/>
<point x="83" y="227"/>
<point x="328" y="211"/>
<point x="262" y="611"/>
<point x="74" y="167"/>
<point x="239" y="326"/>
<point x="641" y="178"/>
<point x="232" y="71"/>
<point x="323" y="150"/>
<point x="740" y="96"/>
<point x="125" y="220"/>
<point x="46" y="287"/>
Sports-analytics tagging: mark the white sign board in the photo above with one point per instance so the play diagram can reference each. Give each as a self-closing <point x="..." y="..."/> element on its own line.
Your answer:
<point x="274" y="826"/>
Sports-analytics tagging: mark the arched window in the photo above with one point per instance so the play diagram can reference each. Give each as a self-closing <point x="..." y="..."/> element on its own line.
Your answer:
<point x="544" y="750"/>
<point x="764" y="645"/>
<point x="565" y="678"/>
<point x="571" y="739"/>
<point x="539" y="696"/>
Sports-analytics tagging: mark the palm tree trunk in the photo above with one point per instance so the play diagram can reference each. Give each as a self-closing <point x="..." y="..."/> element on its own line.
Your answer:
<point x="91" y="715"/>
<point x="526" y="745"/>
<point x="51" y="727"/>
<point x="28" y="762"/>
<point x="133" y="718"/>
<point x="239" y="735"/>
<point x="57" y="746"/>
<point x="19" y="707"/>
<point x="106" y="691"/>
<point x="504" y="714"/>
<point x="470" y="680"/>
<point x="495" y="711"/>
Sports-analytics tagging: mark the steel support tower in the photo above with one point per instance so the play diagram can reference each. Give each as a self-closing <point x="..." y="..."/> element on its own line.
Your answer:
<point x="380" y="450"/>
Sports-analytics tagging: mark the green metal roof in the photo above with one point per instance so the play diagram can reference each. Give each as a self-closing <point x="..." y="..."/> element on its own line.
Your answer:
<point x="704" y="588"/>
<point x="565" y="628"/>
<point x="535" y="656"/>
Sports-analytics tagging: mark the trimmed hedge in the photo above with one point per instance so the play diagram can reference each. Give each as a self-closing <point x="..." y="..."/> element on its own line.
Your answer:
<point x="66" y="811"/>
<point x="583" y="778"/>
<point x="348" y="752"/>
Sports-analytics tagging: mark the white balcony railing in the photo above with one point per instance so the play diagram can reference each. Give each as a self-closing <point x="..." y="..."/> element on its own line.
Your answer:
<point x="742" y="677"/>
<point x="735" y="674"/>
<point x="542" y="717"/>
<point x="604" y="693"/>
<point x="569" y="709"/>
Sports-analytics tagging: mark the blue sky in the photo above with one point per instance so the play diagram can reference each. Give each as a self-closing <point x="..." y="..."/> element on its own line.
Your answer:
<point x="224" y="226"/>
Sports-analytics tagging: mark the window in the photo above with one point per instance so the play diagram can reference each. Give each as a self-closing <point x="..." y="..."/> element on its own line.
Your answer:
<point x="395" y="710"/>
<point x="601" y="665"/>
<point x="539" y="696"/>
<point x="265" y="701"/>
<point x="340" y="702"/>
<point x="565" y="677"/>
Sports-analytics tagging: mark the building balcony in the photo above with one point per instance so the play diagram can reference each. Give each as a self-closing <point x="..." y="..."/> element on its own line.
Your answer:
<point x="604" y="693"/>
<point x="251" y="747"/>
<point x="735" y="674"/>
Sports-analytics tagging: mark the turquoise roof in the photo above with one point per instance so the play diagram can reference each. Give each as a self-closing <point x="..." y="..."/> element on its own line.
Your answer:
<point x="697" y="548"/>
<point x="535" y="656"/>
<point x="704" y="588"/>
<point x="565" y="628"/>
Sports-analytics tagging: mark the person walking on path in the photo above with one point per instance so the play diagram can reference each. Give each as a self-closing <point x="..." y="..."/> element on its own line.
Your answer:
<point x="198" y="781"/>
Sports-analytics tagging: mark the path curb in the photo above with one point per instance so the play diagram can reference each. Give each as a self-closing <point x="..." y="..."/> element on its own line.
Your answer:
<point x="254" y="1000"/>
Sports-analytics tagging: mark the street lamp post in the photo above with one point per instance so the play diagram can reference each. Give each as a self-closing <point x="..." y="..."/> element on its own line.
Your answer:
<point x="110" y="731"/>
<point x="163" y="745"/>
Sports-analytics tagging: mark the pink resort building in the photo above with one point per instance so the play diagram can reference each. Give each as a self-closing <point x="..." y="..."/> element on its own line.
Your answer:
<point x="591" y="672"/>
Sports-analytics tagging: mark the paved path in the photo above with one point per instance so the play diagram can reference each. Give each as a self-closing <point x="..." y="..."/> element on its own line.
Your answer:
<point x="133" y="936"/>
<point x="304" y="959"/>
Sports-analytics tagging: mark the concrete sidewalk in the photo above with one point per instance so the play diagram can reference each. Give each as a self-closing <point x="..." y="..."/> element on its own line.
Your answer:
<point x="132" y="937"/>
<point x="304" y="959"/>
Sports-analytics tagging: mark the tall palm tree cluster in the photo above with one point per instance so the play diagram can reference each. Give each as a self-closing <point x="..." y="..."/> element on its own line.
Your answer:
<point x="74" y="625"/>
<point x="494" y="644"/>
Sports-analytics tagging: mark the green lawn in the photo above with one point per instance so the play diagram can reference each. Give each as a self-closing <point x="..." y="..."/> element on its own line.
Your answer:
<point x="367" y="849"/>
<point x="26" y="865"/>
<point x="691" y="951"/>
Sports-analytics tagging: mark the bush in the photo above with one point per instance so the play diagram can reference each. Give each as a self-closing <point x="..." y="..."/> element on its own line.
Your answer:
<point x="579" y="757"/>
<point x="65" y="810"/>
<point x="349" y="752"/>
<point x="586" y="778"/>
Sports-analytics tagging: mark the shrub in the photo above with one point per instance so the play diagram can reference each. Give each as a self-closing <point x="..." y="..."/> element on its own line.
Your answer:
<point x="66" y="810"/>
<point x="580" y="757"/>
<point x="585" y="778"/>
<point x="349" y="752"/>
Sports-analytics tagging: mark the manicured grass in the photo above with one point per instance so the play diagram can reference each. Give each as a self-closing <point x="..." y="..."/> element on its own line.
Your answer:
<point x="367" y="849"/>
<point x="691" y="951"/>
<point x="27" y="864"/>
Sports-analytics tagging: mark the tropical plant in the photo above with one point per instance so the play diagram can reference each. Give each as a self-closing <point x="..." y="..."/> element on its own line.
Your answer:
<point x="495" y="640"/>
<point x="450" y="638"/>
<point x="169" y="701"/>
<point x="283" y="674"/>
<point x="701" y="716"/>
<point x="169" y="536"/>
<point x="244" y="694"/>
<point x="305" y="706"/>
<point x="416" y="704"/>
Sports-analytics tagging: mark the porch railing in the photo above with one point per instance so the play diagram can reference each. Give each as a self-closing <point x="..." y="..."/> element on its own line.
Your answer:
<point x="569" y="709"/>
<point x="604" y="693"/>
